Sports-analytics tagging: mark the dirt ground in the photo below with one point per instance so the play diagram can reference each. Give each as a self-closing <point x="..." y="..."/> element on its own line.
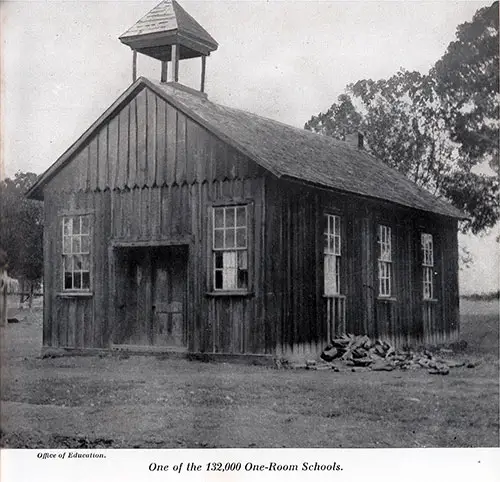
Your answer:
<point x="156" y="402"/>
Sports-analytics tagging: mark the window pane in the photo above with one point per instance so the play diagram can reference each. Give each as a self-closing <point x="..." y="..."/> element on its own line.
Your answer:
<point x="218" y="238"/>
<point x="218" y="260"/>
<point x="229" y="241"/>
<point x="85" y="280"/>
<point x="68" y="280"/>
<point x="242" y="279"/>
<point x="219" y="217"/>
<point x="330" y="276"/>
<point x="85" y="225"/>
<point x="336" y="246"/>
<point x="218" y="279"/>
<point x="241" y="237"/>
<point x="66" y="244"/>
<point x="77" y="263"/>
<point x="229" y="270"/>
<point x="229" y="259"/>
<point x="77" y="280"/>
<point x="76" y="224"/>
<point x="68" y="263"/>
<point x="85" y="244"/>
<point x="242" y="259"/>
<point x="230" y="217"/>
<point x="337" y="225"/>
<point x="85" y="263"/>
<point x="67" y="226"/>
<point x="76" y="244"/>
<point x="241" y="216"/>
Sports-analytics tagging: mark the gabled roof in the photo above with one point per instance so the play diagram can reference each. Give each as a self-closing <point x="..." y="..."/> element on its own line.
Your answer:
<point x="287" y="152"/>
<point x="168" y="16"/>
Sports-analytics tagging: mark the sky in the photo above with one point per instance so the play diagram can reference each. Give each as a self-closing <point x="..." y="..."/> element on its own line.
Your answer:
<point x="62" y="65"/>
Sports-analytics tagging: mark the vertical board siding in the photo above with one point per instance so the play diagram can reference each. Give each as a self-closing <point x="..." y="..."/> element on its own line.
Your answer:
<point x="113" y="151"/>
<point x="296" y="245"/>
<point x="142" y="131"/>
<point x="123" y="147"/>
<point x="148" y="143"/>
<point x="102" y="158"/>
<point x="151" y="138"/>
<point x="160" y="147"/>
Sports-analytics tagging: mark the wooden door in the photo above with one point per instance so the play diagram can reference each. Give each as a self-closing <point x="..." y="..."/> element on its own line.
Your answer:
<point x="169" y="297"/>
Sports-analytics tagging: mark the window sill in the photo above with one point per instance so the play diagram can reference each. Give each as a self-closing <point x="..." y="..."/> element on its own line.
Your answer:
<point x="216" y="294"/>
<point x="334" y="296"/>
<point x="430" y="300"/>
<point x="387" y="298"/>
<point x="75" y="294"/>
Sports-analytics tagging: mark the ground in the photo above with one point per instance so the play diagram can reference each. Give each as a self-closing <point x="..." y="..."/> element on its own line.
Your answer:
<point x="156" y="402"/>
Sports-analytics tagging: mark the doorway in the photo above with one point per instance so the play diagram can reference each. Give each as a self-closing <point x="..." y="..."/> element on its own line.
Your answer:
<point x="151" y="297"/>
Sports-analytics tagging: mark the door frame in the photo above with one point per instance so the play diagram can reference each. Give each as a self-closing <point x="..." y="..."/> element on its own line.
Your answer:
<point x="113" y="273"/>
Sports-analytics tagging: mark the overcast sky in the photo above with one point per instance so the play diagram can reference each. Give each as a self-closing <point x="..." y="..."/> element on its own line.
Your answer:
<point x="63" y="65"/>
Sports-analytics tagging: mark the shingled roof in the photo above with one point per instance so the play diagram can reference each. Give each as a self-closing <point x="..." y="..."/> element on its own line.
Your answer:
<point x="287" y="152"/>
<point x="168" y="16"/>
<point x="302" y="155"/>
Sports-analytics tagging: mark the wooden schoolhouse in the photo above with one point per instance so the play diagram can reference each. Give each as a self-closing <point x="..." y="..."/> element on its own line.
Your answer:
<point x="177" y="224"/>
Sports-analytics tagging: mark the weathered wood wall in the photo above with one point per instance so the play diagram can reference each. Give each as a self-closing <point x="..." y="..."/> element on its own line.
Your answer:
<point x="151" y="175"/>
<point x="80" y="322"/>
<point x="294" y="277"/>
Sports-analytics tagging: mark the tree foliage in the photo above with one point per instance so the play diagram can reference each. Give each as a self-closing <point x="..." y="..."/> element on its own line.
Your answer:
<point x="21" y="234"/>
<point x="467" y="82"/>
<point x="438" y="128"/>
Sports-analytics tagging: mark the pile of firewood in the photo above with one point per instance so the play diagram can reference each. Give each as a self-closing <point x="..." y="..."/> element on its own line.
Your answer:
<point x="361" y="353"/>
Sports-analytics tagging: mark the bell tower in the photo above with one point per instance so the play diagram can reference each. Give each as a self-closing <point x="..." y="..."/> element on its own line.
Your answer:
<point x="169" y="34"/>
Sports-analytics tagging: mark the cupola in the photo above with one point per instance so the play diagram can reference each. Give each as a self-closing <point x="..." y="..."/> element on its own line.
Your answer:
<point x="169" y="34"/>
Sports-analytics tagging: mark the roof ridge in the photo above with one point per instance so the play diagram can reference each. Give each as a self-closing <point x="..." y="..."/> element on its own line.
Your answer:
<point x="178" y="9"/>
<point x="283" y="150"/>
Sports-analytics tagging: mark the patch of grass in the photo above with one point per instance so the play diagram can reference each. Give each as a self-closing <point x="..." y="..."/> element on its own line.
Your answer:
<point x="150" y="402"/>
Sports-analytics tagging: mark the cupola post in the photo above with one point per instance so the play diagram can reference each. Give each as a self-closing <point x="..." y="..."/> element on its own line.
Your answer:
<point x="134" y="65"/>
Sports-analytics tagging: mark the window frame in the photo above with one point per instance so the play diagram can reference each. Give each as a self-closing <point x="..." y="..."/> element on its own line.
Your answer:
<point x="333" y="238"/>
<point x="385" y="261"/>
<point x="213" y="249"/>
<point x="428" y="265"/>
<point x="87" y="253"/>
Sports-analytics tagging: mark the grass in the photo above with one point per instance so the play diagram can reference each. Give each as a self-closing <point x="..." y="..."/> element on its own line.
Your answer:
<point x="151" y="402"/>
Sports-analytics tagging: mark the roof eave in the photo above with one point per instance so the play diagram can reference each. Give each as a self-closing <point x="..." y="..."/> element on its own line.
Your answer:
<point x="457" y="215"/>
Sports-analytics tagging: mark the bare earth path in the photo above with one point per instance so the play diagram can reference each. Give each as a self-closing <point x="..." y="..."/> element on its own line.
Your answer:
<point x="169" y="403"/>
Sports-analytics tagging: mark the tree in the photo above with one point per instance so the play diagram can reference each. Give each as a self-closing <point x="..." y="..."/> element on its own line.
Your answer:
<point x="411" y="124"/>
<point x="21" y="236"/>
<point x="467" y="82"/>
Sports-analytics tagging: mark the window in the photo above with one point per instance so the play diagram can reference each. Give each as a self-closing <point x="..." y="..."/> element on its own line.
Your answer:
<point x="230" y="248"/>
<point x="384" y="261"/>
<point x="76" y="252"/>
<point x="427" y="265"/>
<point x="332" y="253"/>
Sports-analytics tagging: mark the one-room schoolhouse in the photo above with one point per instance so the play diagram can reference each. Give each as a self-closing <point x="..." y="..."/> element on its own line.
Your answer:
<point x="177" y="224"/>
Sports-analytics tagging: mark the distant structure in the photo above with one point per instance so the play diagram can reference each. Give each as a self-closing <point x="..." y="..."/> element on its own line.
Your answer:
<point x="177" y="224"/>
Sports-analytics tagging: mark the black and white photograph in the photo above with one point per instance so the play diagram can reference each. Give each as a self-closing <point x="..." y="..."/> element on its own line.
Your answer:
<point x="249" y="225"/>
